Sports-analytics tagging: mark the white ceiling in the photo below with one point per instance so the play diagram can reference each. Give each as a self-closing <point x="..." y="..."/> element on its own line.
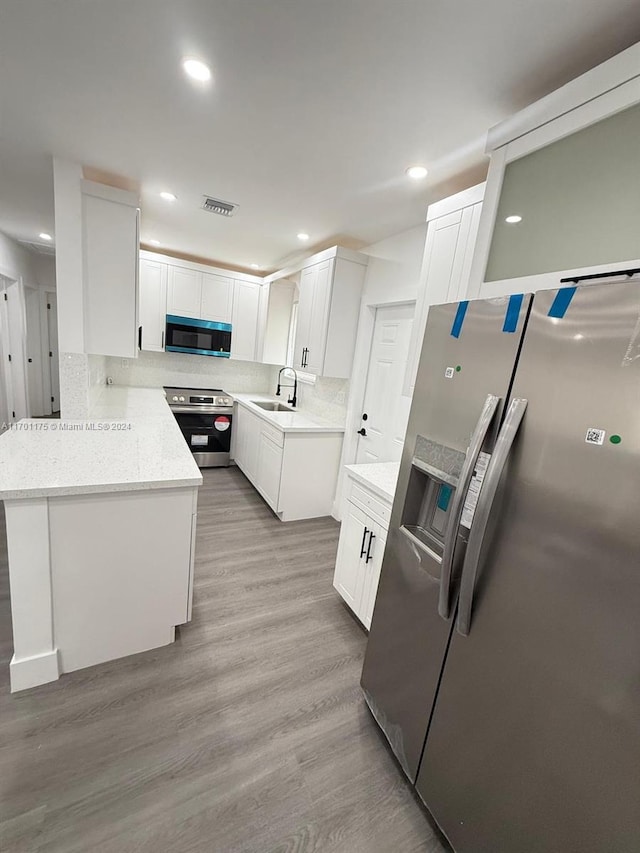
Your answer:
<point x="317" y="107"/>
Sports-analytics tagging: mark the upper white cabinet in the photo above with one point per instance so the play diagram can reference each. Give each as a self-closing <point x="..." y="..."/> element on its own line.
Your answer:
<point x="451" y="238"/>
<point x="328" y="310"/>
<point x="193" y="293"/>
<point x="217" y="298"/>
<point x="244" y="321"/>
<point x="172" y="286"/>
<point x="563" y="185"/>
<point x="185" y="292"/>
<point x="110" y="244"/>
<point x="153" y="304"/>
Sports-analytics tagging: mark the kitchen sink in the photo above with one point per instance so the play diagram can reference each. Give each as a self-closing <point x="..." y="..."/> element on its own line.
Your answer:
<point x="272" y="407"/>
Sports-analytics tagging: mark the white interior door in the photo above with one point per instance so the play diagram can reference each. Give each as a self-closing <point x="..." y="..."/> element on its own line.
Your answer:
<point x="52" y="318"/>
<point x="16" y="348"/>
<point x="385" y="412"/>
<point x="35" y="381"/>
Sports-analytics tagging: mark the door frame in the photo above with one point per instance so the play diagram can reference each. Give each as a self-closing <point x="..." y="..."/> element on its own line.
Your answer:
<point x="358" y="387"/>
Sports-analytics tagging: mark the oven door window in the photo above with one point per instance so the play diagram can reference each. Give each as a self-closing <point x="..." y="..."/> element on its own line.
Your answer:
<point x="206" y="433"/>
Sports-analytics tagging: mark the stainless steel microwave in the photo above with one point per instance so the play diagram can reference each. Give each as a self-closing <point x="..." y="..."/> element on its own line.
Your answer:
<point x="202" y="337"/>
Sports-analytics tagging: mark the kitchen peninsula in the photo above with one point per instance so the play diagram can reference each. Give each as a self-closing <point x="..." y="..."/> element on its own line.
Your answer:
<point x="101" y="518"/>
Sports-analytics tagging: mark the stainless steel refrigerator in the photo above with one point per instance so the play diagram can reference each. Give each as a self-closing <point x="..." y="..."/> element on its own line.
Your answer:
<point x="503" y="661"/>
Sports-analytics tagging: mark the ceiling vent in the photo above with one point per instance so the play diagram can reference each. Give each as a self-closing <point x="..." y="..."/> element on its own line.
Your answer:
<point x="215" y="205"/>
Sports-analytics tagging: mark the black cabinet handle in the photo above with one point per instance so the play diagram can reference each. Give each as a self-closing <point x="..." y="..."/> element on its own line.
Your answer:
<point x="139" y="337"/>
<point x="362" y="431"/>
<point x="369" y="554"/>
<point x="29" y="360"/>
<point x="364" y="536"/>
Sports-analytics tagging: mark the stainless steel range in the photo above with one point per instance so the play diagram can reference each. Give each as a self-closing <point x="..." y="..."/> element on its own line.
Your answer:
<point x="205" y="416"/>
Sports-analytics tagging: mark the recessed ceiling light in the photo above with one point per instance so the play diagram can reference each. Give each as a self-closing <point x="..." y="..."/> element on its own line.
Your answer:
<point x="513" y="219"/>
<point x="255" y="266"/>
<point x="45" y="236"/>
<point x="578" y="337"/>
<point x="167" y="196"/>
<point x="154" y="242"/>
<point x="196" y="69"/>
<point x="302" y="236"/>
<point x="417" y="172"/>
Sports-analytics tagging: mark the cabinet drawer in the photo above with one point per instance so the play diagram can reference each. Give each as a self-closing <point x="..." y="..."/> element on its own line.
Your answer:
<point x="370" y="504"/>
<point x="273" y="434"/>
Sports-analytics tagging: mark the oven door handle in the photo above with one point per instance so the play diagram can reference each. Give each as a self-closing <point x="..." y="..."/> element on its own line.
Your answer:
<point x="185" y="410"/>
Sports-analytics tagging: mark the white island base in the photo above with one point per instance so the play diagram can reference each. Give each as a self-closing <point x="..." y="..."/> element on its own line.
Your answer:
<point x="101" y="520"/>
<point x="97" y="577"/>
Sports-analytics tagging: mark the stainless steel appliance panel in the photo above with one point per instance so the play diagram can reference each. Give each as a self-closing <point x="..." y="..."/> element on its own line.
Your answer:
<point x="462" y="362"/>
<point x="534" y="745"/>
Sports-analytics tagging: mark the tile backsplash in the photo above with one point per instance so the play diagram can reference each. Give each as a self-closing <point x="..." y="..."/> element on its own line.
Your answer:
<point x="155" y="369"/>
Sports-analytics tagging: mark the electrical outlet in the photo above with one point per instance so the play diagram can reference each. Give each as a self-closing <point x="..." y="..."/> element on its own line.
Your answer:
<point x="124" y="362"/>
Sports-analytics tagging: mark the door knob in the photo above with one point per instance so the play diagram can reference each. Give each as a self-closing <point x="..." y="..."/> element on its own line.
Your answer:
<point x="362" y="431"/>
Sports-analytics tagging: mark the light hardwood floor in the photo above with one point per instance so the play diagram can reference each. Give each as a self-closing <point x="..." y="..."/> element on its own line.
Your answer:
<point x="247" y="734"/>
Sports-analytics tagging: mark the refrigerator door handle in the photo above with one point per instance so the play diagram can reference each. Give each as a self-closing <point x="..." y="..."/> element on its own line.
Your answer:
<point x="486" y="498"/>
<point x="460" y="494"/>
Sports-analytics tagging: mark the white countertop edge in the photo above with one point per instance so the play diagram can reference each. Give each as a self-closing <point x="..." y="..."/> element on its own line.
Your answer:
<point x="309" y="422"/>
<point x="101" y="488"/>
<point x="378" y="477"/>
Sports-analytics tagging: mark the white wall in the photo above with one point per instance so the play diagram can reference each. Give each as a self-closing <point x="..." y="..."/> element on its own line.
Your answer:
<point x="45" y="270"/>
<point x="15" y="261"/>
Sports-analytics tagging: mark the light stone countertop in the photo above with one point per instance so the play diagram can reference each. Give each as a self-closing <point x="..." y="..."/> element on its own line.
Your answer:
<point x="379" y="477"/>
<point x="294" y="421"/>
<point x="143" y="448"/>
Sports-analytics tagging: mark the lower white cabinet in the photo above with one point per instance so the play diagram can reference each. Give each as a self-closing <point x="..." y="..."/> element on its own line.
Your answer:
<point x="295" y="472"/>
<point x="363" y="537"/>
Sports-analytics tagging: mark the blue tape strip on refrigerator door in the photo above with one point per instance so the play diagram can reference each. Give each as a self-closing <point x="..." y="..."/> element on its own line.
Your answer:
<point x="459" y="318"/>
<point x="513" y="312"/>
<point x="561" y="302"/>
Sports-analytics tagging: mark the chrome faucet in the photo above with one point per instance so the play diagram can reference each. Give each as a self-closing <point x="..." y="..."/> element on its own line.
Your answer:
<point x="292" y="400"/>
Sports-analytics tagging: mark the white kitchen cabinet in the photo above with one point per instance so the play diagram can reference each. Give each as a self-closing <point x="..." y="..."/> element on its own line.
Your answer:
<point x="363" y="537"/>
<point x="110" y="241"/>
<point x="185" y="291"/>
<point x="244" y="321"/>
<point x="269" y="468"/>
<point x="153" y="304"/>
<point x="328" y="310"/>
<point x="246" y="426"/>
<point x="217" y="298"/>
<point x="201" y="295"/>
<point x="451" y="237"/>
<point x="296" y="472"/>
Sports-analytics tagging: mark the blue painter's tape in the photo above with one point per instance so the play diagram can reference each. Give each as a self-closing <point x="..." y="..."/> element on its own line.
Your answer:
<point x="561" y="302"/>
<point x="459" y="318"/>
<point x="444" y="495"/>
<point x="513" y="312"/>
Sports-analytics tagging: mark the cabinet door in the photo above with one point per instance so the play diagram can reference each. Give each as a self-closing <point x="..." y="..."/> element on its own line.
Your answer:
<point x="252" y="442"/>
<point x="445" y="274"/>
<point x="239" y="441"/>
<point x="153" y="304"/>
<point x="269" y="470"/>
<point x="110" y="257"/>
<point x="317" y="337"/>
<point x="246" y="303"/>
<point x="217" y="298"/>
<point x="308" y="280"/>
<point x="374" y="553"/>
<point x="185" y="287"/>
<point x="349" y="574"/>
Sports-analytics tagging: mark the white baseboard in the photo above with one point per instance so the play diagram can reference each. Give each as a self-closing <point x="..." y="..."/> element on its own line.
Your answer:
<point x="30" y="672"/>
